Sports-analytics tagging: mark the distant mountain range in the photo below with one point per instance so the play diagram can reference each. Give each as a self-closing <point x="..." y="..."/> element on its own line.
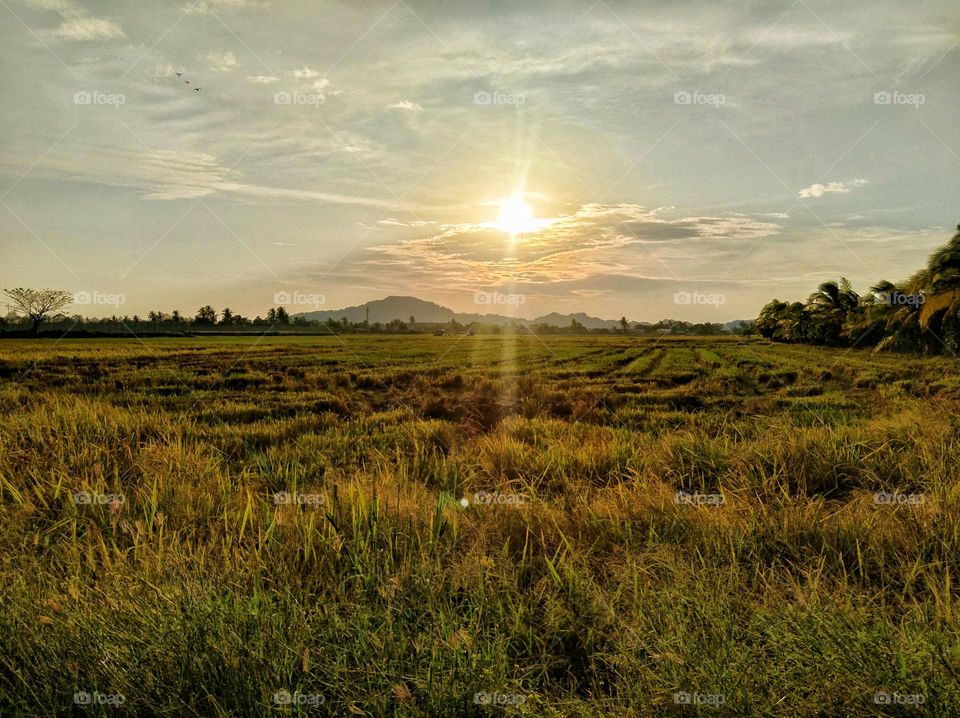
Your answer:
<point x="402" y="308"/>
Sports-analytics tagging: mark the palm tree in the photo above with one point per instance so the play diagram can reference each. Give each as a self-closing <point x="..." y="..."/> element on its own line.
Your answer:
<point x="770" y="317"/>
<point x="206" y="315"/>
<point x="941" y="306"/>
<point x="829" y="307"/>
<point x="794" y="324"/>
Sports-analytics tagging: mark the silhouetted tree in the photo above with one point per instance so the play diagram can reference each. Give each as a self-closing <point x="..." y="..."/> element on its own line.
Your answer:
<point x="37" y="304"/>
<point x="206" y="315"/>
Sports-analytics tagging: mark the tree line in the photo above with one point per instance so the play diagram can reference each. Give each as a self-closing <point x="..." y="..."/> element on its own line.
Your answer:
<point x="918" y="314"/>
<point x="31" y="308"/>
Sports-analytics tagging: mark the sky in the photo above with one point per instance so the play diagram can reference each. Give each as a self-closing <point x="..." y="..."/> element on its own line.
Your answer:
<point x="683" y="159"/>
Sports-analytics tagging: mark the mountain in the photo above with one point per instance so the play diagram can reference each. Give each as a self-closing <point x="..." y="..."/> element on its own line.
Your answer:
<point x="737" y="324"/>
<point x="395" y="307"/>
<point x="402" y="308"/>
<point x="386" y="310"/>
<point x="563" y="320"/>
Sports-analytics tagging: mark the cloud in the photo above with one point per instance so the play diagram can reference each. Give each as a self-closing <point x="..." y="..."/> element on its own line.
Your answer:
<point x="205" y="7"/>
<point x="392" y="222"/>
<point x="222" y="61"/>
<point x="595" y="241"/>
<point x="818" y="190"/>
<point x="406" y="105"/>
<point x="88" y="28"/>
<point x="266" y="192"/>
<point x="160" y="174"/>
<point x="262" y="79"/>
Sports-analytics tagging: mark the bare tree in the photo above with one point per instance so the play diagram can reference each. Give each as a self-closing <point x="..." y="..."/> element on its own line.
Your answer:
<point x="37" y="303"/>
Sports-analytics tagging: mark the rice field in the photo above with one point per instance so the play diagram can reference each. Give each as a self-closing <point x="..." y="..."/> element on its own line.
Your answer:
<point x="477" y="526"/>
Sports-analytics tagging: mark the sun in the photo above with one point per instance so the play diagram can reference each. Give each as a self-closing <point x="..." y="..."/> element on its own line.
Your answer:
<point x="516" y="216"/>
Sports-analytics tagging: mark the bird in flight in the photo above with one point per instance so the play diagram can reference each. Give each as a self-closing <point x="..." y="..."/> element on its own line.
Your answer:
<point x="196" y="89"/>
<point x="179" y="74"/>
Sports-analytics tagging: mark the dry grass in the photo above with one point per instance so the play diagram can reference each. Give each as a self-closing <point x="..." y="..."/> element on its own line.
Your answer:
<point x="599" y="594"/>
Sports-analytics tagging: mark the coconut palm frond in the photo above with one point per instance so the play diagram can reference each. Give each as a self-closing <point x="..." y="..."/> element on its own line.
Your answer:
<point x="941" y="301"/>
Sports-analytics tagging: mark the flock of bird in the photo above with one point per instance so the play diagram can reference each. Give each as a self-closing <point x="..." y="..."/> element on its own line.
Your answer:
<point x="180" y="75"/>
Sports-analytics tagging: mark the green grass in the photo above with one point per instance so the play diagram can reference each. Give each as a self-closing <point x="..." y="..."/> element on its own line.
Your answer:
<point x="594" y="593"/>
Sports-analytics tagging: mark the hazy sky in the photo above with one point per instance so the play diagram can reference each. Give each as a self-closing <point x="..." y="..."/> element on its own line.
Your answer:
<point x="359" y="149"/>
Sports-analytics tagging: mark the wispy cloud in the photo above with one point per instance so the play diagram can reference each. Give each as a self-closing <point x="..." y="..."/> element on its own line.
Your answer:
<point x="818" y="190"/>
<point x="405" y="105"/>
<point x="222" y="61"/>
<point x="204" y="7"/>
<point x="596" y="240"/>
<point x="88" y="28"/>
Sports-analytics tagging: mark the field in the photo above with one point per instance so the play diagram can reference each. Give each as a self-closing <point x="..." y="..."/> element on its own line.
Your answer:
<point x="477" y="525"/>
